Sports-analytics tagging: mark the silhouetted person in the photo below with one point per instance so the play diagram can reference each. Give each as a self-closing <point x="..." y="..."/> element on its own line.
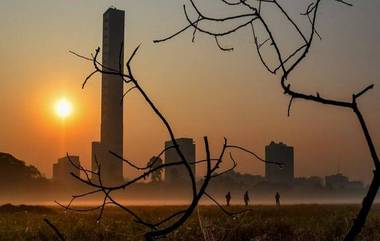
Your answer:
<point x="246" y="198"/>
<point x="277" y="197"/>
<point x="228" y="198"/>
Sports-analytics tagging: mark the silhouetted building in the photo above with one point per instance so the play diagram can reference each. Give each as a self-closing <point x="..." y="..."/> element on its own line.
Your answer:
<point x="111" y="136"/>
<point x="280" y="153"/>
<point x="233" y="180"/>
<point x="355" y="185"/>
<point x="63" y="168"/>
<point x="337" y="181"/>
<point x="178" y="174"/>
<point x="312" y="182"/>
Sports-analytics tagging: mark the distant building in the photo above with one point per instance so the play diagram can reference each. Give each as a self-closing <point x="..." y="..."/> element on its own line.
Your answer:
<point x="283" y="154"/>
<point x="308" y="182"/>
<point x="355" y="185"/>
<point x="233" y="180"/>
<point x="63" y="168"/>
<point x="111" y="134"/>
<point x="337" y="181"/>
<point x="315" y="180"/>
<point x="178" y="174"/>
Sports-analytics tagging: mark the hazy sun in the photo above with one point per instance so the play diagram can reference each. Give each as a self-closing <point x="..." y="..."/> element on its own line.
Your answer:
<point x="63" y="108"/>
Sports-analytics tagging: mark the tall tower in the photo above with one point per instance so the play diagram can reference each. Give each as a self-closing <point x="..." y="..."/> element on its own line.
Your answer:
<point x="284" y="154"/>
<point x="111" y="134"/>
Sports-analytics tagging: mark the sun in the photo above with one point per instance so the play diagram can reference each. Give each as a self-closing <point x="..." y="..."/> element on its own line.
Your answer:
<point x="63" y="108"/>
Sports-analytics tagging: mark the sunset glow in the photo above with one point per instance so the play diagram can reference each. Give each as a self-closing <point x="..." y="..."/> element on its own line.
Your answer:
<point x="63" y="108"/>
<point x="227" y="120"/>
<point x="201" y="90"/>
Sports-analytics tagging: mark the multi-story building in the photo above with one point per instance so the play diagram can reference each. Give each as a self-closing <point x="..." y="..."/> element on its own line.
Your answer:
<point x="283" y="154"/>
<point x="337" y="181"/>
<point x="312" y="182"/>
<point x="178" y="174"/>
<point x="111" y="134"/>
<point x="63" y="168"/>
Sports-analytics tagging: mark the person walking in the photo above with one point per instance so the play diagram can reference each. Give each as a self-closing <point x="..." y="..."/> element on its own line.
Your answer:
<point x="228" y="199"/>
<point x="277" y="197"/>
<point x="246" y="198"/>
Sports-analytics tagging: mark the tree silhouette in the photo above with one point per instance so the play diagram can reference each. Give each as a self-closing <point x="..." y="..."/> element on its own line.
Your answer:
<point x="14" y="172"/>
<point x="254" y="17"/>
<point x="155" y="162"/>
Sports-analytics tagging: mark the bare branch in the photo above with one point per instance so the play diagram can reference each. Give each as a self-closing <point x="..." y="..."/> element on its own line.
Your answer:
<point x="227" y="32"/>
<point x="258" y="46"/>
<point x="290" y="20"/>
<point x="229" y="213"/>
<point x="254" y="154"/>
<point x="290" y="105"/>
<point x="146" y="167"/>
<point x="344" y="2"/>
<point x="55" y="229"/>
<point x="228" y="170"/>
<point x="233" y="3"/>
<point x="125" y="94"/>
<point x="220" y="46"/>
<point x="297" y="56"/>
<point x="170" y="218"/>
<point x="355" y="96"/>
<point x="195" y="29"/>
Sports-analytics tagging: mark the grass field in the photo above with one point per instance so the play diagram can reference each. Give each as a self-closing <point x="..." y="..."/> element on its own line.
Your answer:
<point x="289" y="223"/>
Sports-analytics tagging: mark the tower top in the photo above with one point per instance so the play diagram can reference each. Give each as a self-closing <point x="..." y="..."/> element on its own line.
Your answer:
<point x="113" y="9"/>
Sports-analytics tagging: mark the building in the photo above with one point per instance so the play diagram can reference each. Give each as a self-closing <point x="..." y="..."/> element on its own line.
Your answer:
<point x="337" y="181"/>
<point x="63" y="168"/>
<point x="355" y="185"/>
<point x="111" y="131"/>
<point x="234" y="180"/>
<point x="310" y="183"/>
<point x="178" y="174"/>
<point x="281" y="153"/>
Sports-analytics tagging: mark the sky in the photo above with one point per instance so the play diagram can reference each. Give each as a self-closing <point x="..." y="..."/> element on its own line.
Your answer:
<point x="201" y="90"/>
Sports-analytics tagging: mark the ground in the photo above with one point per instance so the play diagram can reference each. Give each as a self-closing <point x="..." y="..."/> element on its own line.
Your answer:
<point x="292" y="222"/>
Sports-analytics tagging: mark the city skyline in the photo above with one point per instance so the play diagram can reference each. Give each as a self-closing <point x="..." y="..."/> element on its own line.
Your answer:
<point x="259" y="108"/>
<point x="279" y="168"/>
<point x="190" y="120"/>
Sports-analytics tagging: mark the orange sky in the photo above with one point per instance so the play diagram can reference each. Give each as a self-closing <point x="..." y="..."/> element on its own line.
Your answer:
<point x="201" y="90"/>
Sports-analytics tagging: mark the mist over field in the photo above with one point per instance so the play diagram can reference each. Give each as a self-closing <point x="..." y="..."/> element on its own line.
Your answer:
<point x="220" y="120"/>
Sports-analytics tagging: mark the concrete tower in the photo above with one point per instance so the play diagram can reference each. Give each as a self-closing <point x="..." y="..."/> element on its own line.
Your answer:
<point x="284" y="154"/>
<point x="111" y="134"/>
<point x="178" y="175"/>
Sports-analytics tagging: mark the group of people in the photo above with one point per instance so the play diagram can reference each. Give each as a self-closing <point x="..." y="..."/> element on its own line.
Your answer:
<point x="246" y="198"/>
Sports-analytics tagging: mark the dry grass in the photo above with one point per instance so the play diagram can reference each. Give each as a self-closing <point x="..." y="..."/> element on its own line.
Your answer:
<point x="263" y="223"/>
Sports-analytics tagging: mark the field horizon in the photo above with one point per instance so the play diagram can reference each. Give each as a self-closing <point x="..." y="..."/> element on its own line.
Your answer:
<point x="262" y="222"/>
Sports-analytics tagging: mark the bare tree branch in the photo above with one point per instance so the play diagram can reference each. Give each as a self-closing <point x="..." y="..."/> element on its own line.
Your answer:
<point x="157" y="229"/>
<point x="55" y="229"/>
<point x="229" y="213"/>
<point x="229" y="169"/>
<point x="297" y="57"/>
